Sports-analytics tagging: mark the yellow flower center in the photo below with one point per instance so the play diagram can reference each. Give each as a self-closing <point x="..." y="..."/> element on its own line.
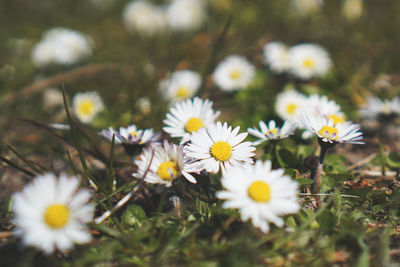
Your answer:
<point x="291" y="108"/>
<point x="182" y="92"/>
<point x="167" y="170"/>
<point x="329" y="132"/>
<point x="259" y="191"/>
<point x="193" y="125"/>
<point x="134" y="134"/>
<point x="336" y="119"/>
<point x="221" y="150"/>
<point x="86" y="107"/>
<point x="309" y="63"/>
<point x="56" y="215"/>
<point x="271" y="132"/>
<point x="236" y="74"/>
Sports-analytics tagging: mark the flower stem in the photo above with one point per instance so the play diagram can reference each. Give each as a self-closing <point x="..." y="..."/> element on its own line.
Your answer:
<point x="318" y="170"/>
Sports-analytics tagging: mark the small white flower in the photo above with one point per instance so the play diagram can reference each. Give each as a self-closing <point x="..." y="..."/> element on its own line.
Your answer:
<point x="234" y="73"/>
<point x="352" y="9"/>
<point x="289" y="105"/>
<point x="181" y="85"/>
<point x="260" y="194"/>
<point x="145" y="18"/>
<point x="61" y="46"/>
<point x="376" y="107"/>
<point x="87" y="105"/>
<point x="322" y="105"/>
<point x="307" y="7"/>
<point x="167" y="162"/>
<point x="189" y="116"/>
<point x="50" y="213"/>
<point x="186" y="15"/>
<point x="131" y="135"/>
<point x="308" y="61"/>
<point x="271" y="132"/>
<point x="327" y="131"/>
<point x="218" y="147"/>
<point x="276" y="55"/>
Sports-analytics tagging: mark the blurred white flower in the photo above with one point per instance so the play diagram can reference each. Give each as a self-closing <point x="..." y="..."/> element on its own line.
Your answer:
<point x="276" y="55"/>
<point x="52" y="97"/>
<point x="259" y="193"/>
<point x="309" y="61"/>
<point x="144" y="105"/>
<point x="186" y="15"/>
<point x="50" y="213"/>
<point x="234" y="73"/>
<point x="289" y="105"/>
<point x="376" y="107"/>
<point x="61" y="46"/>
<point x="352" y="9"/>
<point x="87" y="105"/>
<point x="181" y="85"/>
<point x="131" y="135"/>
<point x="145" y="18"/>
<point x="307" y="7"/>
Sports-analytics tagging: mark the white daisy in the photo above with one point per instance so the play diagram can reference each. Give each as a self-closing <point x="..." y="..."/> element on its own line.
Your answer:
<point x="186" y="15"/>
<point x="352" y="9"/>
<point x="61" y="46"/>
<point x="167" y="163"/>
<point x="271" y="132"/>
<point x="234" y="73"/>
<point x="218" y="147"/>
<point x="144" y="18"/>
<point x="308" y="61"/>
<point x="87" y="105"/>
<point x="376" y="107"/>
<point x="260" y="194"/>
<point x="289" y="105"/>
<point x="307" y="7"/>
<point x="276" y="55"/>
<point x="131" y="135"/>
<point x="181" y="85"/>
<point x="322" y="105"/>
<point x="50" y="213"/>
<point x="327" y="131"/>
<point x="189" y="116"/>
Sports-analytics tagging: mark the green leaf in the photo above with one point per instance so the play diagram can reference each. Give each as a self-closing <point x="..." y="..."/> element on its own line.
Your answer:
<point x="393" y="160"/>
<point x="327" y="221"/>
<point x="287" y="159"/>
<point x="134" y="215"/>
<point x="305" y="181"/>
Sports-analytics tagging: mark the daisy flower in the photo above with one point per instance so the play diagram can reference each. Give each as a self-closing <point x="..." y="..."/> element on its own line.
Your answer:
<point x="144" y="18"/>
<point x="290" y="104"/>
<point x="50" y="213"/>
<point x="189" y="116"/>
<point x="308" y="61"/>
<point x="234" y="73"/>
<point x="352" y="9"/>
<point x="181" y="85"/>
<point x="307" y="7"/>
<point x="322" y="105"/>
<point x="131" y="135"/>
<point x="186" y="15"/>
<point x="87" y="105"/>
<point x="61" y="46"/>
<point x="376" y="107"/>
<point x="259" y="193"/>
<point x="325" y="129"/>
<point x="276" y="55"/>
<point x="271" y="132"/>
<point x="167" y="163"/>
<point x="218" y="147"/>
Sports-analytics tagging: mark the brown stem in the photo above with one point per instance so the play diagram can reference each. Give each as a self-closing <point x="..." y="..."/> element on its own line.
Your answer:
<point x="317" y="177"/>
